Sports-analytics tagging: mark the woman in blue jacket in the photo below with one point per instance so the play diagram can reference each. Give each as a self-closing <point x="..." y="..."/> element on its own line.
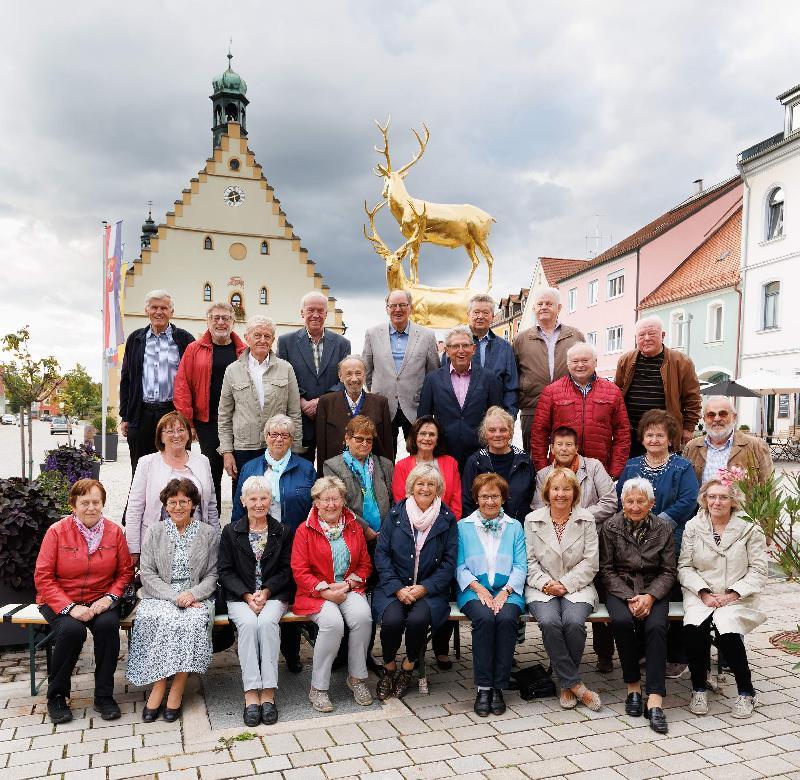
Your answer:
<point x="416" y="560"/>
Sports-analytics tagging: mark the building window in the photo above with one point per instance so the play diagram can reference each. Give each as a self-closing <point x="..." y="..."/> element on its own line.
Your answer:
<point x="207" y="292"/>
<point x="775" y="214"/>
<point x="263" y="296"/>
<point x="238" y="308"/>
<point x="591" y="338"/>
<point x="772" y="292"/>
<point x="794" y="118"/>
<point x="615" y="284"/>
<point x="677" y="325"/>
<point x="714" y="322"/>
<point x="208" y="243"/>
<point x="572" y="299"/>
<point x="234" y="164"/>
<point x="591" y="292"/>
<point x="614" y="339"/>
<point x="264" y="248"/>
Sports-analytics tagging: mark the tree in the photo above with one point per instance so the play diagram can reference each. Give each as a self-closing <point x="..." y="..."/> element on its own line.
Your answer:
<point x="78" y="395"/>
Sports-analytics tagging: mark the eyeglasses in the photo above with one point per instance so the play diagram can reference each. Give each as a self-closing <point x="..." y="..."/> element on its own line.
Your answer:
<point x="362" y="439"/>
<point x="172" y="503"/>
<point x="722" y="415"/>
<point x="490" y="497"/>
<point x="220" y="317"/>
<point x="277" y="435"/>
<point x="460" y="347"/>
<point x="174" y="431"/>
<point x="396" y="305"/>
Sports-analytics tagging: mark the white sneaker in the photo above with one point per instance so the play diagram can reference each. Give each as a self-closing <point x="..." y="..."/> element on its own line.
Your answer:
<point x="699" y="703"/>
<point x="320" y="700"/>
<point x="743" y="706"/>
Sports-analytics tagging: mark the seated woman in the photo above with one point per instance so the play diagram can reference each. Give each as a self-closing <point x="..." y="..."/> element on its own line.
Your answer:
<point x="490" y="569"/>
<point x="722" y="568"/>
<point x="637" y="564"/>
<point x="172" y="461"/>
<point x="82" y="569"/>
<point x="562" y="549"/>
<point x="256" y="576"/>
<point x="331" y="566"/>
<point x="416" y="561"/>
<point x="171" y="636"/>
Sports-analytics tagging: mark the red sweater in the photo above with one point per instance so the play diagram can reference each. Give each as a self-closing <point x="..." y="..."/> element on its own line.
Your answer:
<point x="312" y="561"/>
<point x="192" y="388"/>
<point x="448" y="467"/>
<point x="66" y="573"/>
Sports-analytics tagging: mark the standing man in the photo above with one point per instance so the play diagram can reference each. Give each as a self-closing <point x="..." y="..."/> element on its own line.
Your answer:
<point x="655" y="377"/>
<point x="541" y="355"/>
<point x="198" y="383"/>
<point x="459" y="394"/>
<point x="398" y="357"/>
<point x="147" y="378"/>
<point x="314" y="354"/>
<point x="491" y="352"/>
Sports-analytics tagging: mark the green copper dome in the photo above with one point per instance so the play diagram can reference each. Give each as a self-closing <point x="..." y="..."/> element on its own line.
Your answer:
<point x="229" y="81"/>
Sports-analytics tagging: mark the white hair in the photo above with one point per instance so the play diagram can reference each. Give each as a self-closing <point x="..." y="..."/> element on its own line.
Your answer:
<point x="717" y="399"/>
<point x="259" y="321"/>
<point x="279" y="422"/>
<point x="224" y="305"/>
<point x="161" y="295"/>
<point x="424" y="471"/>
<point x="546" y="292"/>
<point x="459" y="329"/>
<point x="309" y="296"/>
<point x="351" y="357"/>
<point x="581" y="346"/>
<point x="256" y="484"/>
<point x="409" y="297"/>
<point x="481" y="298"/>
<point x="653" y="319"/>
<point x="638" y="484"/>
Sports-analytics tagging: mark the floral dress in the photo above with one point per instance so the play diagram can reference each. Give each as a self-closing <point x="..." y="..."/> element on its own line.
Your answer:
<point x="166" y="639"/>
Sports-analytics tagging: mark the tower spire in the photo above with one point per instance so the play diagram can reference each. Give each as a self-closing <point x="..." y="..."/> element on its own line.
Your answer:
<point x="228" y="100"/>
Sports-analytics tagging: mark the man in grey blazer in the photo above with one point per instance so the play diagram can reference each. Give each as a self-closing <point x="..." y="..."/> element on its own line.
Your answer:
<point x="398" y="355"/>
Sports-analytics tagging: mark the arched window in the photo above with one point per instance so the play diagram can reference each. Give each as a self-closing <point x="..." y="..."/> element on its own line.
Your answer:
<point x="264" y="248"/>
<point x="678" y="327"/>
<point x="263" y="296"/>
<point x="208" y="243"/>
<point x="775" y="214"/>
<point x="236" y="300"/>
<point x="207" y="292"/>
<point x="714" y="322"/>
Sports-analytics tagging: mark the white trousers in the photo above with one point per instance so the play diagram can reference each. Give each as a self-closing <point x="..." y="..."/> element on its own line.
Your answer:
<point x="259" y="642"/>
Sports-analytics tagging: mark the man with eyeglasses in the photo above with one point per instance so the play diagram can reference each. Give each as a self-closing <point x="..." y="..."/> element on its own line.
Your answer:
<point x="198" y="383"/>
<point x="398" y="358"/>
<point x="724" y="446"/>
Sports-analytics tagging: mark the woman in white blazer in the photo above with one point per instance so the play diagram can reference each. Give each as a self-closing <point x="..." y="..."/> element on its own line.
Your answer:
<point x="722" y="568"/>
<point x="563" y="559"/>
<point x="153" y="472"/>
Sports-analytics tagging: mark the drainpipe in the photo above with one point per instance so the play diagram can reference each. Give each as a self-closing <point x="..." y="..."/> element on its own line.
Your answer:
<point x="740" y="290"/>
<point x="636" y="302"/>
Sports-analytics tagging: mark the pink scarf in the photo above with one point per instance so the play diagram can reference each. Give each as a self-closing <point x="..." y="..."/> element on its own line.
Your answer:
<point x="421" y="522"/>
<point x="93" y="535"/>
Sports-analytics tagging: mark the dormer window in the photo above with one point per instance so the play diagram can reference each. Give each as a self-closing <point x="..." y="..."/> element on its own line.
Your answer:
<point x="775" y="214"/>
<point x="794" y="118"/>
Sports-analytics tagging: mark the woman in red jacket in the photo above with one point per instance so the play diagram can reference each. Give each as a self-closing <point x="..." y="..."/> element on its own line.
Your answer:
<point x="81" y="572"/>
<point x="331" y="566"/>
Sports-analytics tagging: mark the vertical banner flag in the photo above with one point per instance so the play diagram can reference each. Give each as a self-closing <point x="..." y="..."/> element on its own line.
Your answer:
<point x="113" y="337"/>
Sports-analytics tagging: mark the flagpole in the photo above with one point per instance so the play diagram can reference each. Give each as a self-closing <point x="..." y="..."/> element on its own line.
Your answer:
<point x="103" y="360"/>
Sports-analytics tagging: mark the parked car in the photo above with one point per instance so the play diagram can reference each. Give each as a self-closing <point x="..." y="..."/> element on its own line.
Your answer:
<point x="46" y="417"/>
<point x="9" y="419"/>
<point x="60" y="425"/>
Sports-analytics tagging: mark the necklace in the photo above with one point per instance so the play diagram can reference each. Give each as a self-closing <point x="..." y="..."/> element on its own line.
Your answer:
<point x="654" y="464"/>
<point x="258" y="530"/>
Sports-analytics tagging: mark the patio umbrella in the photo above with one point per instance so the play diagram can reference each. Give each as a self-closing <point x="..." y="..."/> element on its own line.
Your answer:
<point x="770" y="384"/>
<point x="731" y="389"/>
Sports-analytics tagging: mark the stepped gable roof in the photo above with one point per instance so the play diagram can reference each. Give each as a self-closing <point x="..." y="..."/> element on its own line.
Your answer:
<point x="714" y="265"/>
<point x="557" y="268"/>
<point x="664" y="222"/>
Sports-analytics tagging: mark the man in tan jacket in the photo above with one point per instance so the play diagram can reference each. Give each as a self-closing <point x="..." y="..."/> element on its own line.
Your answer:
<point x="723" y="446"/>
<point x="541" y="355"/>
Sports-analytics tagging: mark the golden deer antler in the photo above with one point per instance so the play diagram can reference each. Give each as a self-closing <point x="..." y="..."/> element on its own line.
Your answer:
<point x="422" y="145"/>
<point x="381" y="170"/>
<point x="377" y="242"/>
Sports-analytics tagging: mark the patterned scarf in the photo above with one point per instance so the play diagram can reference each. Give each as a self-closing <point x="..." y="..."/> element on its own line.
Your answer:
<point x="493" y="525"/>
<point x="93" y="536"/>
<point x="638" y="530"/>
<point x="574" y="465"/>
<point x="276" y="468"/>
<point x="364" y="474"/>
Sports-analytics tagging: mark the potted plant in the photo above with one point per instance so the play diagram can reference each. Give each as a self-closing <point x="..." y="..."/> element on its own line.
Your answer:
<point x="73" y="462"/>
<point x="112" y="438"/>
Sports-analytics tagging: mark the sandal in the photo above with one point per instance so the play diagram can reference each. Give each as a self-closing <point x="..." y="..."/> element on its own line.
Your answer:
<point x="567" y="700"/>
<point x="588" y="698"/>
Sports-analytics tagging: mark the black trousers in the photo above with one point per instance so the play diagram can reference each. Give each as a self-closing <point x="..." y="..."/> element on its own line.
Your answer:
<point x="414" y="620"/>
<point x="142" y="438"/>
<point x="626" y="628"/>
<point x="602" y="637"/>
<point x="208" y="438"/>
<point x="731" y="646"/>
<point x="400" y="421"/>
<point x="494" y="639"/>
<point x="70" y="634"/>
<point x="526" y="422"/>
<point x="241" y="457"/>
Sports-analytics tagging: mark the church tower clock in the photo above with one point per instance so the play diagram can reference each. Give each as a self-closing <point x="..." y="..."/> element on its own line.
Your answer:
<point x="229" y="102"/>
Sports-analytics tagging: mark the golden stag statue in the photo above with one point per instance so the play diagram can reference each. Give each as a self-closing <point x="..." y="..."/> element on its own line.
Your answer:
<point x="448" y="225"/>
<point x="436" y="307"/>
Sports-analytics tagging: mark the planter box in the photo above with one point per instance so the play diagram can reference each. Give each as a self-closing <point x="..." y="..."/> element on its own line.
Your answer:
<point x="111" y="445"/>
<point x="14" y="635"/>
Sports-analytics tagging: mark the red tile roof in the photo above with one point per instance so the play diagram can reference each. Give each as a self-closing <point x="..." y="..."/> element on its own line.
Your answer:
<point x="712" y="266"/>
<point x="557" y="268"/>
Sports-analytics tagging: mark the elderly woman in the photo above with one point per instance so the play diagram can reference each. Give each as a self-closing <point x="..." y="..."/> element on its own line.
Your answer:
<point x="562" y="547"/>
<point x="722" y="568"/>
<point x="82" y="569"/>
<point x="637" y="564"/>
<point x="499" y="456"/>
<point x="490" y="570"/>
<point x="331" y="566"/>
<point x="171" y="636"/>
<point x="416" y="561"/>
<point x="366" y="477"/>
<point x="153" y="472"/>
<point x="256" y="576"/>
<point x="256" y="386"/>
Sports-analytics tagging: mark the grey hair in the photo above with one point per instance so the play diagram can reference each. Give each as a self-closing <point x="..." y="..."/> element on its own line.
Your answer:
<point x="541" y="292"/>
<point x="157" y="295"/>
<point x="259" y="321"/>
<point x="409" y="298"/>
<point x="640" y="484"/>
<point x="653" y="319"/>
<point x="279" y="421"/>
<point x="718" y="398"/>
<point x="491" y="413"/>
<point x="326" y="483"/>
<point x="311" y="295"/>
<point x="459" y="329"/>
<point x="481" y="298"/>
<point x="256" y="484"/>
<point x="224" y="305"/>
<point x="424" y="470"/>
<point x="581" y="346"/>
<point x="351" y="357"/>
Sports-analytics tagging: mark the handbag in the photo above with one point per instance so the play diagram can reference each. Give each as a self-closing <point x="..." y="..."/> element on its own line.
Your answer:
<point x="534" y="682"/>
<point x="128" y="600"/>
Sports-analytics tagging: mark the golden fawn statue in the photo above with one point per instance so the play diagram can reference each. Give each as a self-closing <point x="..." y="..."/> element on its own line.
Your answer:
<point x="447" y="224"/>
<point x="436" y="307"/>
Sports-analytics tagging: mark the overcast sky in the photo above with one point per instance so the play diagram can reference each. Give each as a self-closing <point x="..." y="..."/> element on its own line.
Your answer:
<point x="543" y="114"/>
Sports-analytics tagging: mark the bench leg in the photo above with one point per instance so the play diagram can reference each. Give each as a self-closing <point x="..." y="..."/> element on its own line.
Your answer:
<point x="457" y="640"/>
<point x="32" y="657"/>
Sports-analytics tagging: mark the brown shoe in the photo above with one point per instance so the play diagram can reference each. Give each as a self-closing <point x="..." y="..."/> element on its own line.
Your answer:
<point x="385" y="688"/>
<point x="402" y="682"/>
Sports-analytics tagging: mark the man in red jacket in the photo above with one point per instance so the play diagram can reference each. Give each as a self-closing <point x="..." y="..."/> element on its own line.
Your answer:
<point x="198" y="382"/>
<point x="591" y="405"/>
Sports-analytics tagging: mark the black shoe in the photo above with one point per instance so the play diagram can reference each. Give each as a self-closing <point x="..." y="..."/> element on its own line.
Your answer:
<point x="107" y="707"/>
<point x="498" y="702"/>
<point x="294" y="665"/>
<point x="402" y="681"/>
<point x="445" y="666"/>
<point x="483" y="703"/>
<point x="269" y="713"/>
<point x="252" y="715"/>
<point x="171" y="715"/>
<point x="385" y="687"/>
<point x="633" y="705"/>
<point x="657" y="718"/>
<point x="604" y="665"/>
<point x="58" y="710"/>
<point x="150" y="716"/>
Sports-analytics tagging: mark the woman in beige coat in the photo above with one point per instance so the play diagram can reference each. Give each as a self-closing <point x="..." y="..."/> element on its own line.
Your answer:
<point x="563" y="559"/>
<point x="722" y="568"/>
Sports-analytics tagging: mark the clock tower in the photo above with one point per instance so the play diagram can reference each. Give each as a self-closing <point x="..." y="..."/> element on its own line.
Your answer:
<point x="229" y="102"/>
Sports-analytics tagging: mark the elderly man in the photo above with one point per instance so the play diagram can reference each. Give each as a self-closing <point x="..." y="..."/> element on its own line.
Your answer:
<point x="723" y="446"/>
<point x="541" y="355"/>
<point x="198" y="383"/>
<point x="256" y="386"/>
<point x="589" y="404"/>
<point x="147" y="378"/>
<point x="459" y="394"/>
<point x="336" y="409"/>
<point x="491" y="352"/>
<point x="398" y="357"/>
<point x="314" y="353"/>
<point x="655" y="377"/>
